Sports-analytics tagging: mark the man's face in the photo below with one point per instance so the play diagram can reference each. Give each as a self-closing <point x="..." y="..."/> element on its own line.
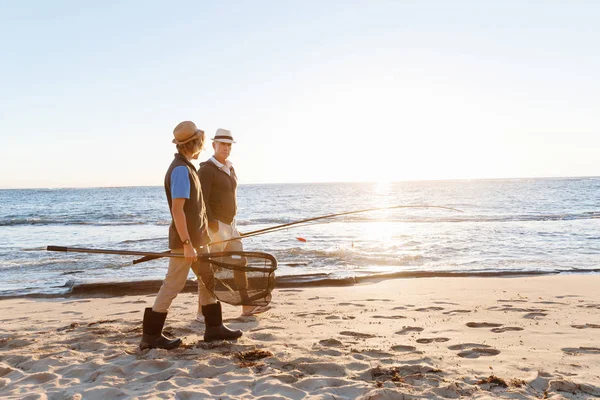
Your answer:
<point x="222" y="150"/>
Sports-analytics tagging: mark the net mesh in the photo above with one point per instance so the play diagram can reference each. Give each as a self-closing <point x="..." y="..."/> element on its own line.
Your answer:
<point x="240" y="277"/>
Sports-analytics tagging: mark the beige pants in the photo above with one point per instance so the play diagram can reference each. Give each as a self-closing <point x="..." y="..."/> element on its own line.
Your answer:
<point x="176" y="278"/>
<point x="227" y="232"/>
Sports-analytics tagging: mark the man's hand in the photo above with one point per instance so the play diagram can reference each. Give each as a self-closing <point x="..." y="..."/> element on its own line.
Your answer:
<point x="190" y="253"/>
<point x="213" y="225"/>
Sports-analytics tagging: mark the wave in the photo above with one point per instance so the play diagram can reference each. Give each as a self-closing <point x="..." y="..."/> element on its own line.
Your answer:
<point x="349" y="255"/>
<point x="67" y="221"/>
<point x="271" y="222"/>
<point x="158" y="239"/>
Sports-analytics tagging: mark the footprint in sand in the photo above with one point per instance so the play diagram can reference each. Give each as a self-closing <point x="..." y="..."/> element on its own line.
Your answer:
<point x="597" y="306"/>
<point x="378" y="300"/>
<point x="78" y="301"/>
<point x="474" y="350"/>
<point x="103" y="321"/>
<point x="264" y="328"/>
<point x="534" y="315"/>
<point x="516" y="309"/>
<point x="586" y="326"/>
<point x="389" y="316"/>
<point x="478" y="352"/>
<point x="581" y="350"/>
<point x="357" y="334"/>
<point x="483" y="325"/>
<point x="408" y="329"/>
<point x="69" y="327"/>
<point x="314" y="314"/>
<point x="452" y="312"/>
<point x="330" y="342"/>
<point x="14" y="343"/>
<point x="37" y="378"/>
<point x="445" y="302"/>
<point x="464" y="346"/>
<point x="403" y="348"/>
<point x="338" y="317"/>
<point x="512" y="301"/>
<point x="506" y="329"/>
<point x="5" y="371"/>
<point x="432" y="340"/>
<point x="427" y="309"/>
<point x="263" y="337"/>
<point x="132" y="302"/>
<point x="351" y="304"/>
<point x="399" y="308"/>
<point x="376" y="353"/>
<point x="126" y="312"/>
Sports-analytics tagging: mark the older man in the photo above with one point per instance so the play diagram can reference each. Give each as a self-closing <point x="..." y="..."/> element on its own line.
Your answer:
<point x="219" y="188"/>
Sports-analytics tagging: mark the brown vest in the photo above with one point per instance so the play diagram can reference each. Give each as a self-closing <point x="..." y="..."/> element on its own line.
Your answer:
<point x="194" y="210"/>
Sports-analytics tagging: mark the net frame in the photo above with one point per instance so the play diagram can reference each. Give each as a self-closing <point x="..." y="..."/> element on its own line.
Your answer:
<point x="228" y="281"/>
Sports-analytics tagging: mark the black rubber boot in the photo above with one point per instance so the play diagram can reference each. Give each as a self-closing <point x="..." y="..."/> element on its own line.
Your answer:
<point x="152" y="332"/>
<point x="215" y="330"/>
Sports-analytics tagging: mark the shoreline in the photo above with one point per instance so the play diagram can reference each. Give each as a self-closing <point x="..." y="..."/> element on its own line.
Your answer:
<point x="117" y="289"/>
<point x="524" y="338"/>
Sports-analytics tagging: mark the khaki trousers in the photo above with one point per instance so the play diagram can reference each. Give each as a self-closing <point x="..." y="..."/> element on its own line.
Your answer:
<point x="176" y="278"/>
<point x="227" y="232"/>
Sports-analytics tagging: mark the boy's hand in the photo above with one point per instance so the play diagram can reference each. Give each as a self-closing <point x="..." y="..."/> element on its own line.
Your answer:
<point x="189" y="253"/>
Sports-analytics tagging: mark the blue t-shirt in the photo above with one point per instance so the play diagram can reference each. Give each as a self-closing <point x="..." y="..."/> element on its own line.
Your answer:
<point x="180" y="183"/>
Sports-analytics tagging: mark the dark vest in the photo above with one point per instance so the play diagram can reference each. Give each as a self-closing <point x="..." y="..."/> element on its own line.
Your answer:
<point x="193" y="208"/>
<point x="220" y="192"/>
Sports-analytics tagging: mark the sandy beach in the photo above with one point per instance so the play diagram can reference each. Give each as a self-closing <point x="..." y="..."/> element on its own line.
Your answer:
<point x="518" y="337"/>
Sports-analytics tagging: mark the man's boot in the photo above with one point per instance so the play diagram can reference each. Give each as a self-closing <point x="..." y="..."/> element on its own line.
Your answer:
<point x="152" y="332"/>
<point x="215" y="330"/>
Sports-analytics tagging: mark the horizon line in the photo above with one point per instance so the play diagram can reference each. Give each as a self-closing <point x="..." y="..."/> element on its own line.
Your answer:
<point x="321" y="183"/>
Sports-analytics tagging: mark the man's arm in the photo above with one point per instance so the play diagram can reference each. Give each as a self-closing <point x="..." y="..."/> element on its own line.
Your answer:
<point x="181" y="225"/>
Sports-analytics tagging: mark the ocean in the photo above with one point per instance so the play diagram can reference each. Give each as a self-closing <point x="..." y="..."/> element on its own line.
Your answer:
<point x="511" y="226"/>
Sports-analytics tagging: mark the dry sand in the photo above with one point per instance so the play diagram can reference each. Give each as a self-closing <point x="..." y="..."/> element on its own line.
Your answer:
<point x="526" y="337"/>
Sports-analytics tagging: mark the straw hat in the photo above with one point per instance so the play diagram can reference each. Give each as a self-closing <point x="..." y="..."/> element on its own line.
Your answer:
<point x="186" y="131"/>
<point x="223" y="135"/>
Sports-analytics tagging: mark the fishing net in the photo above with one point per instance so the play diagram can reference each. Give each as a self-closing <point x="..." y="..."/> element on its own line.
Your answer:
<point x="239" y="277"/>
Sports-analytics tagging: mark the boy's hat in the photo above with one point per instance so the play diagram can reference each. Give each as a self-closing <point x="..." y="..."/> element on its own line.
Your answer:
<point x="186" y="131"/>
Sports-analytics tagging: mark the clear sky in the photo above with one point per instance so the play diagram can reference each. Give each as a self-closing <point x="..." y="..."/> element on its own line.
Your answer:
<point x="313" y="91"/>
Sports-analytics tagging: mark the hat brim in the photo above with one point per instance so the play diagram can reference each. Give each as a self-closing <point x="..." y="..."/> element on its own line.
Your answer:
<point x="224" y="140"/>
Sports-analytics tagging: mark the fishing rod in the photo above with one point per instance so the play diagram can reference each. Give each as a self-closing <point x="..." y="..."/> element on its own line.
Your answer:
<point x="216" y="258"/>
<point x="303" y="221"/>
<point x="110" y="251"/>
<point x="283" y="226"/>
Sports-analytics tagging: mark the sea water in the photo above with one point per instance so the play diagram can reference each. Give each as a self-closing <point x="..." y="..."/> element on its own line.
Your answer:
<point x="510" y="226"/>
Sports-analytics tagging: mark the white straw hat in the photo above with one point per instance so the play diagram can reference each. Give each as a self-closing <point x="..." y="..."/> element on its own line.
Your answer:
<point x="223" y="135"/>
